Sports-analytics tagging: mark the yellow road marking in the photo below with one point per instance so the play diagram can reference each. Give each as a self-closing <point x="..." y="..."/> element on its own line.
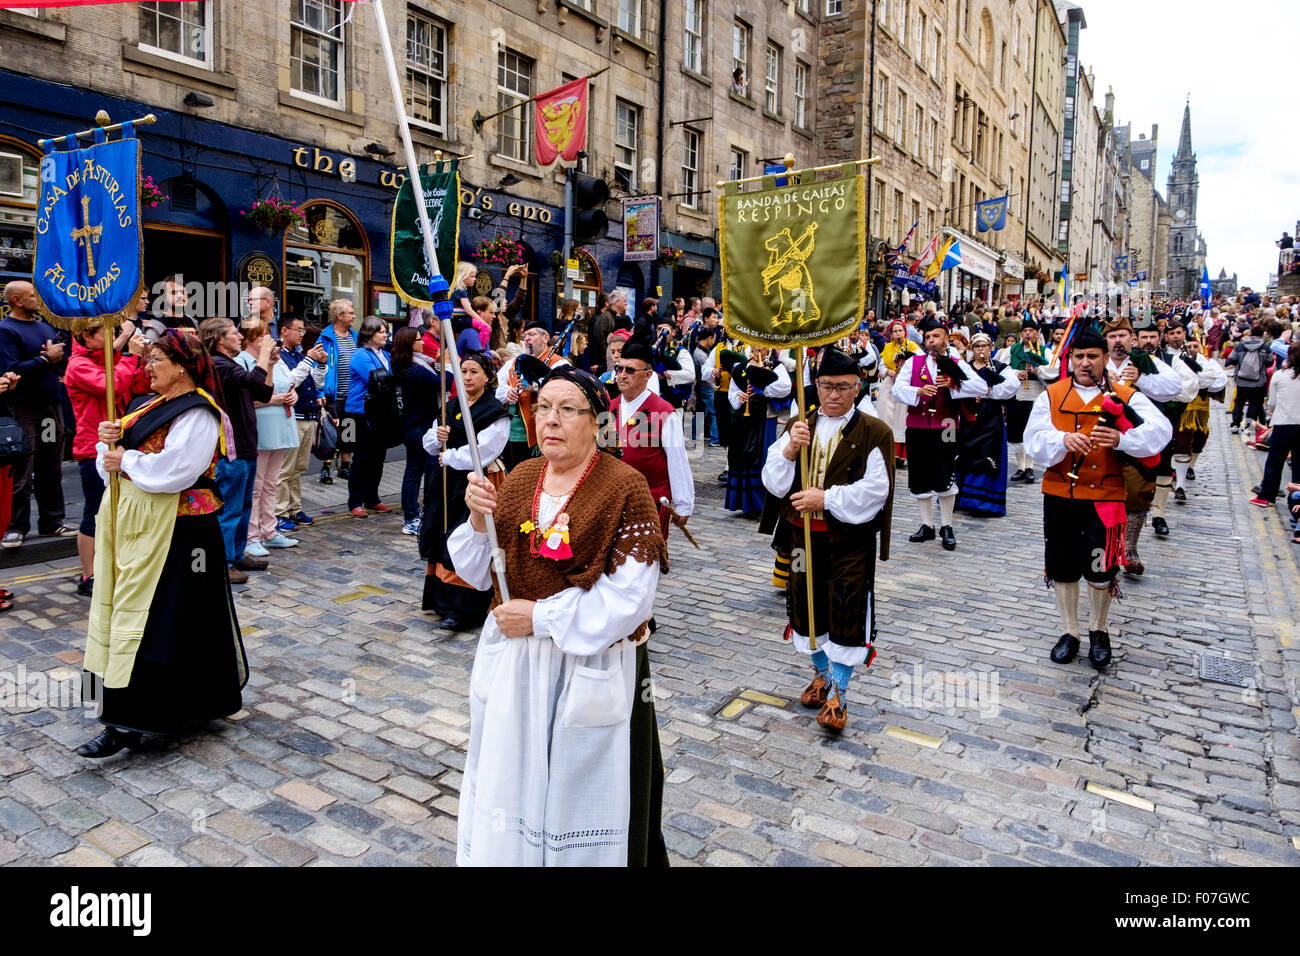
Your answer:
<point x="1119" y="796"/>
<point x="914" y="737"/>
<point x="761" y="698"/>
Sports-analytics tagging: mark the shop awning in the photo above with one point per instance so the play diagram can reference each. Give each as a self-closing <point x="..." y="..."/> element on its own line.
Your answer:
<point x="976" y="259"/>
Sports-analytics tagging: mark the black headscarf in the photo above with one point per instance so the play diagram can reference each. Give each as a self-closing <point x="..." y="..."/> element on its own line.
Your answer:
<point x="587" y="383"/>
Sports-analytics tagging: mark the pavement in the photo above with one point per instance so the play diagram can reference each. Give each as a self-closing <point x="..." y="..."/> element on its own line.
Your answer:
<point x="965" y="744"/>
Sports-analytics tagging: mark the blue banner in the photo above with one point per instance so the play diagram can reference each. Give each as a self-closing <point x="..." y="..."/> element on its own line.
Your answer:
<point x="991" y="214"/>
<point x="89" y="255"/>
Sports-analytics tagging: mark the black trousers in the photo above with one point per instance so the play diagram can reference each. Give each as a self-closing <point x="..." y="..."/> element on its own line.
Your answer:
<point x="722" y="411"/>
<point x="1250" y="400"/>
<point x="1284" y="439"/>
<point x="367" y="467"/>
<point x="44" y="426"/>
<point x="1017" y="419"/>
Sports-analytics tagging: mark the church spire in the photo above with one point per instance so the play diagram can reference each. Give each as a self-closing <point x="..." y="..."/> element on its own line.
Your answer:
<point x="1185" y="138"/>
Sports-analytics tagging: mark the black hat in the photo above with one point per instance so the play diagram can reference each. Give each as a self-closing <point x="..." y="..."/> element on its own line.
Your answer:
<point x="1029" y="323"/>
<point x="641" y="346"/>
<point x="928" y="324"/>
<point x="1087" y="338"/>
<point x="835" y="362"/>
<point x="535" y="324"/>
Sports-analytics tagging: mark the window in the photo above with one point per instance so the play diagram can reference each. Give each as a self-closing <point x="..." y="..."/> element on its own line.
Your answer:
<point x="833" y="7"/>
<point x="316" y="55"/>
<point x="898" y="216"/>
<point x="918" y="118"/>
<point x="900" y="120"/>
<point x="690" y="168"/>
<point x="178" y="30"/>
<point x="877" y="207"/>
<point x="693" y="37"/>
<point x="740" y="58"/>
<point x="929" y="221"/>
<point x="514" y="85"/>
<point x="882" y="15"/>
<point x="918" y="48"/>
<point x="1002" y="65"/>
<point x="881" y="106"/>
<point x="965" y="17"/>
<point x="801" y="95"/>
<point x="738" y="163"/>
<point x="772" y="80"/>
<point x="626" y="139"/>
<point x="936" y="52"/>
<point x="916" y="214"/>
<point x="932" y="134"/>
<point x="981" y="123"/>
<point x="1015" y="37"/>
<point x="805" y="6"/>
<point x="902" y="23"/>
<point x="426" y="70"/>
<point x="1146" y="164"/>
<point x="629" y="17"/>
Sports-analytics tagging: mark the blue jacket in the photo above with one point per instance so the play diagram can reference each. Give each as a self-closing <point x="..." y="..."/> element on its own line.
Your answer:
<point x="364" y="361"/>
<point x="331" y="343"/>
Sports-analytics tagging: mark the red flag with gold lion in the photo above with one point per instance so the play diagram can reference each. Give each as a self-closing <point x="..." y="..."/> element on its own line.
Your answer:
<point x="561" y="122"/>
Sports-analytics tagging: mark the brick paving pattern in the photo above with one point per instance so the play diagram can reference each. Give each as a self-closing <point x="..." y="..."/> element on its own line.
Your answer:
<point x="351" y="745"/>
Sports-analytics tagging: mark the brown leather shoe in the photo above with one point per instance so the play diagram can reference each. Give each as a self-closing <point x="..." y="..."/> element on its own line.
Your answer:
<point x="237" y="576"/>
<point x="833" y="715"/>
<point x="814" y="695"/>
<point x="250" y="563"/>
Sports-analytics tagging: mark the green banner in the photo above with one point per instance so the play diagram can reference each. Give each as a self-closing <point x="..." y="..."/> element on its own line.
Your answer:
<point x="410" y="269"/>
<point x="793" y="260"/>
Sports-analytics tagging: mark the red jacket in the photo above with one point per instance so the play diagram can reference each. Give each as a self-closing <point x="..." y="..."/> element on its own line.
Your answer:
<point x="85" y="383"/>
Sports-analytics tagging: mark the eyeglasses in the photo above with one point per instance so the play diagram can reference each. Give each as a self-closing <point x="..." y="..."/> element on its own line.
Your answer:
<point x="629" y="370"/>
<point x="843" y="388"/>
<point x="567" y="412"/>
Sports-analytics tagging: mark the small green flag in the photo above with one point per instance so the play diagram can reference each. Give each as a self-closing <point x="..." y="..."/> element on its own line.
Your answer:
<point x="794" y="261"/>
<point x="410" y="269"/>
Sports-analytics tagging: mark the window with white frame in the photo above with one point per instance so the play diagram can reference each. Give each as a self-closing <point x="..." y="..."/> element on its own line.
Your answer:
<point x="740" y="58"/>
<point x="918" y="119"/>
<point x="881" y="107"/>
<point x="514" y="85"/>
<point x="629" y="17"/>
<point x="690" y="168"/>
<point x="833" y="7"/>
<point x="936" y="51"/>
<point x="426" y="70"/>
<point x="931" y="136"/>
<point x="801" y="95"/>
<point x="1015" y="36"/>
<point x="805" y="6"/>
<point x="180" y="31"/>
<point x="902" y="22"/>
<point x="693" y="36"/>
<point x="627" y="135"/>
<point x="739" y="163"/>
<point x="918" y="48"/>
<point x="877" y="208"/>
<point x="898" y="216"/>
<point x="772" y="79"/>
<point x="882" y="15"/>
<point x="316" y="50"/>
<point x="900" y="120"/>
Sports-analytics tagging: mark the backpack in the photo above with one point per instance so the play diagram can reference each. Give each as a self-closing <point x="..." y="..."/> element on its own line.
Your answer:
<point x="384" y="407"/>
<point x="1251" y="366"/>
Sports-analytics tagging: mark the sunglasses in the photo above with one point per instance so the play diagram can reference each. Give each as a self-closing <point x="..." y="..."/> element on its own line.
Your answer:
<point x="629" y="370"/>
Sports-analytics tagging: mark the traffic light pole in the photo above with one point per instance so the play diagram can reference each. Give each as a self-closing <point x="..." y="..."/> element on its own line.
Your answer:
<point x="568" y="232"/>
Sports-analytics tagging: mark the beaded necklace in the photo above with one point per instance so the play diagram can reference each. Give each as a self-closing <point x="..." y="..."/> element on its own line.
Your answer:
<point x="529" y="527"/>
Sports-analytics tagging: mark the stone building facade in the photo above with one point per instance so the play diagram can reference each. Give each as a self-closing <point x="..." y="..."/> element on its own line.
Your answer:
<point x="1048" y="94"/>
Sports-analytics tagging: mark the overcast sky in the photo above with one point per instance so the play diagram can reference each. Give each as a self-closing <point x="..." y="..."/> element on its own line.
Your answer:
<point x="1236" y="60"/>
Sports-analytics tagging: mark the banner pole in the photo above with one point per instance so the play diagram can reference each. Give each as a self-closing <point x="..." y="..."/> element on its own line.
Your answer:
<point x="807" y="521"/>
<point x="438" y="290"/>
<point x="110" y="411"/>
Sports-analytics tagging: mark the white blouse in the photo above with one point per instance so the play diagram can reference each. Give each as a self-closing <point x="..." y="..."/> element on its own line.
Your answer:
<point x="579" y="622"/>
<point x="185" y="455"/>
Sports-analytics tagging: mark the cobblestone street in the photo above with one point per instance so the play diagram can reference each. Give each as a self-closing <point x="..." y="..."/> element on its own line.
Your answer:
<point x="351" y="744"/>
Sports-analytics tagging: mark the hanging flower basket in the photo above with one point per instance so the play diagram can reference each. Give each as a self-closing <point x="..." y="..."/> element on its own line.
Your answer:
<point x="500" y="251"/>
<point x="274" y="215"/>
<point x="150" y="195"/>
<point x="668" y="256"/>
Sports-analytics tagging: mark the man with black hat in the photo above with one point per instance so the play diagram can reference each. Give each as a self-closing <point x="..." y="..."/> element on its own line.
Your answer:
<point x="1149" y="336"/>
<point x="1084" y="487"/>
<point x="650" y="433"/>
<point x="932" y="422"/>
<point x="671" y="360"/>
<point x="849" y="497"/>
<point x="514" y="392"/>
<point x="1129" y="364"/>
<point x="1031" y="361"/>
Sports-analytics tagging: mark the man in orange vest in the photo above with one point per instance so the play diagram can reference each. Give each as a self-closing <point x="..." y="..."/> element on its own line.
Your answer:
<point x="1083" y="487"/>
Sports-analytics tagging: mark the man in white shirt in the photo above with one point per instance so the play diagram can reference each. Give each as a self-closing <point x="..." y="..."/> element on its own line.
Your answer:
<point x="846" y="499"/>
<point x="932" y="422"/>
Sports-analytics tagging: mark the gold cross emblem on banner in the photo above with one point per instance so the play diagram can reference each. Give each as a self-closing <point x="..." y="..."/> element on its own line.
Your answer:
<point x="86" y="234"/>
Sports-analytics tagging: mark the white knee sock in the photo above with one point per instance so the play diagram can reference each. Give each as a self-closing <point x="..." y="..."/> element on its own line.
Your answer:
<point x="946" y="505"/>
<point x="1067" y="602"/>
<point x="1181" y="464"/>
<point x="1016" y="453"/>
<point x="1164" y="485"/>
<point x="1101" y="598"/>
<point x="927" y="511"/>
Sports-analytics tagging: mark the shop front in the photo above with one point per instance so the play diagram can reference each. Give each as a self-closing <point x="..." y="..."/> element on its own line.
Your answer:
<point x="972" y="280"/>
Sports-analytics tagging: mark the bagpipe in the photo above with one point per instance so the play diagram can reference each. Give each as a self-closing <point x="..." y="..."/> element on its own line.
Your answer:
<point x="1116" y="414"/>
<point x="1140" y="359"/>
<point x="748" y="373"/>
<point x="947" y="365"/>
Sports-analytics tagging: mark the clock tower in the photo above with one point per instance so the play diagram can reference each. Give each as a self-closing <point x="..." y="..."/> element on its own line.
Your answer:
<point x="1186" y="246"/>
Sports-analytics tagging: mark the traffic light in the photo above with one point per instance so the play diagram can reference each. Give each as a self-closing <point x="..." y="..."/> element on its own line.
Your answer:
<point x="588" y="212"/>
